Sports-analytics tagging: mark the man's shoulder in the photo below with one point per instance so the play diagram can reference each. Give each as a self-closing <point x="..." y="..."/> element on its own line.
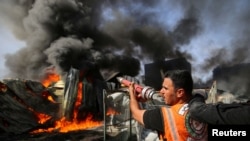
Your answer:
<point x="153" y="112"/>
<point x="153" y="119"/>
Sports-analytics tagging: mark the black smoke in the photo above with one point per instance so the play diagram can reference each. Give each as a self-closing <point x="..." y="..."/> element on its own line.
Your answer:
<point x="122" y="35"/>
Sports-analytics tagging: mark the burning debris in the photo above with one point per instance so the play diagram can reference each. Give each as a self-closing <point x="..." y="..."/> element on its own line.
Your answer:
<point x="61" y="107"/>
<point x="26" y="105"/>
<point x="31" y="103"/>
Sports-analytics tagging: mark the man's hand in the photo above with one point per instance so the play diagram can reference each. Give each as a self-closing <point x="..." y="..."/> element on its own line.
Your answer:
<point x="134" y="94"/>
<point x="131" y="90"/>
<point x="136" y="111"/>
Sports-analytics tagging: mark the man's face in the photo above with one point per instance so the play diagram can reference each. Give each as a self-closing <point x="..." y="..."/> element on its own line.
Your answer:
<point x="168" y="92"/>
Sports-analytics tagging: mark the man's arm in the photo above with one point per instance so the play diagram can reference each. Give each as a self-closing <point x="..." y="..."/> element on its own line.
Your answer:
<point x="201" y="111"/>
<point x="198" y="108"/>
<point x="219" y="113"/>
<point x="137" y="112"/>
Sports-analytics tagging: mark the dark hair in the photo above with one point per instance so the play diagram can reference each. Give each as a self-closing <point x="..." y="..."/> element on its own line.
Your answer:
<point x="181" y="79"/>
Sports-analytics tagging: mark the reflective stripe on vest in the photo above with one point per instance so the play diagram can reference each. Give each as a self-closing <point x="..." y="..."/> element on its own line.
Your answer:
<point x="174" y="123"/>
<point x="171" y="125"/>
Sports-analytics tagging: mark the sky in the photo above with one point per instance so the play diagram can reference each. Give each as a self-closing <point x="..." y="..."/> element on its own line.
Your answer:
<point x="42" y="34"/>
<point x="9" y="45"/>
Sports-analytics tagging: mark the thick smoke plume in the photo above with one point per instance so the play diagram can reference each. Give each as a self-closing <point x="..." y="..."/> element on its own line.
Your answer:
<point x="122" y="35"/>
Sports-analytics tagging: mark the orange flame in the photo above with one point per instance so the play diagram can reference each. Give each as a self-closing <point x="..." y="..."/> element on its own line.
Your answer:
<point x="112" y="111"/>
<point x="50" y="78"/>
<point x="78" y="100"/>
<point x="63" y="125"/>
<point x="42" y="117"/>
<point x="47" y="96"/>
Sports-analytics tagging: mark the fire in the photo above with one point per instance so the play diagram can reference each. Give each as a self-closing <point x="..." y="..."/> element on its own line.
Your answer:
<point x="51" y="99"/>
<point x="78" y="100"/>
<point x="111" y="111"/>
<point x="46" y="95"/>
<point x="50" y="78"/>
<point x="3" y="88"/>
<point x="42" y="117"/>
<point x="66" y="126"/>
<point x="63" y="125"/>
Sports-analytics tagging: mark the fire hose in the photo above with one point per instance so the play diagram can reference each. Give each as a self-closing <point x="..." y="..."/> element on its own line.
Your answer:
<point x="148" y="93"/>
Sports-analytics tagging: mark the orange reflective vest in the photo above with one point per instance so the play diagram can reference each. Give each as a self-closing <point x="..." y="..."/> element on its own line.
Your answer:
<point x="178" y="126"/>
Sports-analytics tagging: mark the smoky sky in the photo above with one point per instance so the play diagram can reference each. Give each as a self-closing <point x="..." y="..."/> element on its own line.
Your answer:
<point x="122" y="35"/>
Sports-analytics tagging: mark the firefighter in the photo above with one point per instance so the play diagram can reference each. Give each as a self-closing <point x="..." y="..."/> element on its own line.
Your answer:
<point x="172" y="121"/>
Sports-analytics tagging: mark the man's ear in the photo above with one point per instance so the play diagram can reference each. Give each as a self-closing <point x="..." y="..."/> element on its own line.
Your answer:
<point x="180" y="92"/>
